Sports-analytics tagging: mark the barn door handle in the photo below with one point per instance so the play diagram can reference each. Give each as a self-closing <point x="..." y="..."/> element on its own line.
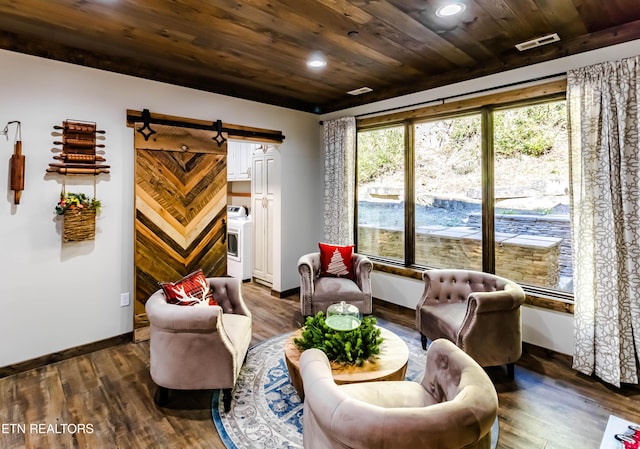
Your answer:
<point x="224" y="231"/>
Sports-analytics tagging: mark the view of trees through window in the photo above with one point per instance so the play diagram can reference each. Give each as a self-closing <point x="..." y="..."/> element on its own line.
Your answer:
<point x="381" y="202"/>
<point x="531" y="179"/>
<point x="448" y="179"/>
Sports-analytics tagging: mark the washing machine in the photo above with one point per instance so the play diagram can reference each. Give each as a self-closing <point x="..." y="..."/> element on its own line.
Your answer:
<point x="239" y="243"/>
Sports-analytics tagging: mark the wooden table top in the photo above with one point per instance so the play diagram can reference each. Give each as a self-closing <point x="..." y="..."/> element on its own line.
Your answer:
<point x="391" y="363"/>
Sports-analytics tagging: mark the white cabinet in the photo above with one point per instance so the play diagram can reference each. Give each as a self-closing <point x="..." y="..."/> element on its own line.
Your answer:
<point x="239" y="160"/>
<point x="264" y="187"/>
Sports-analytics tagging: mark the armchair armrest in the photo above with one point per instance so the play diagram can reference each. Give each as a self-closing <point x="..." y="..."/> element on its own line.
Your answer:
<point x="510" y="298"/>
<point x="319" y="387"/>
<point x="227" y="292"/>
<point x="309" y="264"/>
<point x="362" y="268"/>
<point x="314" y="364"/>
<point x="308" y="267"/>
<point x="492" y="321"/>
<point x="181" y="318"/>
<point x="428" y="296"/>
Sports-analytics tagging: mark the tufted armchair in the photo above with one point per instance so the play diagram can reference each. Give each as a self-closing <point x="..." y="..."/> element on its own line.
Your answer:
<point x="479" y="312"/>
<point x="453" y="407"/>
<point x="199" y="347"/>
<point x="318" y="293"/>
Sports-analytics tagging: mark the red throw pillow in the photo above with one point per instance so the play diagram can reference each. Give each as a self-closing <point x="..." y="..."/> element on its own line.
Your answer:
<point x="335" y="260"/>
<point x="191" y="290"/>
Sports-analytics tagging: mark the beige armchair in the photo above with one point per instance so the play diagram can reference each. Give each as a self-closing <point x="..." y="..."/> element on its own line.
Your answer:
<point x="453" y="407"/>
<point x="479" y="312"/>
<point x="199" y="347"/>
<point x="318" y="293"/>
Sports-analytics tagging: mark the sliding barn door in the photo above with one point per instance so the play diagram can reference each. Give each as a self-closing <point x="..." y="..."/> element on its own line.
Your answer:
<point x="181" y="207"/>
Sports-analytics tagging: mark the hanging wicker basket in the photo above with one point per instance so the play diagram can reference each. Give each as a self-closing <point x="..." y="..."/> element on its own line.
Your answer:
<point x="79" y="225"/>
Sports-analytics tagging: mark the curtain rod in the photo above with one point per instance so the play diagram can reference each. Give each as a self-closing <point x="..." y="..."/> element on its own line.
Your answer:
<point x="444" y="99"/>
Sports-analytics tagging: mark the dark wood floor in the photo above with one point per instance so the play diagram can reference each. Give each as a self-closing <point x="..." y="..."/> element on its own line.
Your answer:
<point x="548" y="405"/>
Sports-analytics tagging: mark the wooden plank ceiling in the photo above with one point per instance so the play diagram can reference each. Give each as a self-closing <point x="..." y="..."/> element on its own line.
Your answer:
<point x="257" y="49"/>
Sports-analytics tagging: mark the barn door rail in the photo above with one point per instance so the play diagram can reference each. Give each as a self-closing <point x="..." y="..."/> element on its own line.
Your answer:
<point x="220" y="129"/>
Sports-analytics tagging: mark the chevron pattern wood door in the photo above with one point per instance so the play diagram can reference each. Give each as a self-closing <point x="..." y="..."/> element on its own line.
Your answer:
<point x="181" y="207"/>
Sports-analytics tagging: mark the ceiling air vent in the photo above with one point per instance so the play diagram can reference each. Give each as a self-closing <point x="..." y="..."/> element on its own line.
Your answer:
<point x="362" y="90"/>
<point x="522" y="46"/>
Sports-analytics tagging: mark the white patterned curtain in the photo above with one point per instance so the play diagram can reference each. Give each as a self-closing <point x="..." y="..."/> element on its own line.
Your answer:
<point x="605" y="182"/>
<point x="339" y="179"/>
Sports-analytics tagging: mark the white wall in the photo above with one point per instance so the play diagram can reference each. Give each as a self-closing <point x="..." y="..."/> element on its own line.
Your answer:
<point x="301" y="205"/>
<point x="57" y="296"/>
<point x="541" y="327"/>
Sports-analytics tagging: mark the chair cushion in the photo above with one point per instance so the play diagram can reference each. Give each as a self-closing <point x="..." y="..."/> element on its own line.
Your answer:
<point x="335" y="260"/>
<point x="191" y="290"/>
<point x="331" y="289"/>
<point x="389" y="394"/>
<point x="442" y="320"/>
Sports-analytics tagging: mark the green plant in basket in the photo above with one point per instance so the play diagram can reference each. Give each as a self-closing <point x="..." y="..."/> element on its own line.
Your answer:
<point x="75" y="202"/>
<point x="346" y="347"/>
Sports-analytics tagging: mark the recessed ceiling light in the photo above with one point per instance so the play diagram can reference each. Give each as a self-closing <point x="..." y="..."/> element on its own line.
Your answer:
<point x="450" y="9"/>
<point x="316" y="61"/>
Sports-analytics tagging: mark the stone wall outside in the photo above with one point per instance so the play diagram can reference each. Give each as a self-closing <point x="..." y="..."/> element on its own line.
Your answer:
<point x="557" y="226"/>
<point x="521" y="258"/>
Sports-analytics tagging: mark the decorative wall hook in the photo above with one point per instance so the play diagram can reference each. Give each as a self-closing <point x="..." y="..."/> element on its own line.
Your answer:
<point x="17" y="162"/>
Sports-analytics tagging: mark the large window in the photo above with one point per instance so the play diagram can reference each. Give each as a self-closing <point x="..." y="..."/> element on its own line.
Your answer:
<point x="531" y="194"/>
<point x="381" y="204"/>
<point x="448" y="188"/>
<point x="485" y="190"/>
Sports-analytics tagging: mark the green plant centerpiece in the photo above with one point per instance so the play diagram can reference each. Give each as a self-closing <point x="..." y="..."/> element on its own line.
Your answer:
<point x="352" y="347"/>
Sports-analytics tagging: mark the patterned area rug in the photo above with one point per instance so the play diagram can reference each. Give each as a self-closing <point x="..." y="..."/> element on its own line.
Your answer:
<point x="266" y="412"/>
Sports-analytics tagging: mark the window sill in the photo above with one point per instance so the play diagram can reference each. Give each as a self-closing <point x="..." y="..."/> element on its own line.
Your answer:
<point x="534" y="299"/>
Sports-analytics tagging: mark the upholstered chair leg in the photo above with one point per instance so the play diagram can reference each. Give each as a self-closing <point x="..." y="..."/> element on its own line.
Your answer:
<point x="162" y="396"/>
<point x="226" y="399"/>
<point x="423" y="340"/>
<point x="511" y="370"/>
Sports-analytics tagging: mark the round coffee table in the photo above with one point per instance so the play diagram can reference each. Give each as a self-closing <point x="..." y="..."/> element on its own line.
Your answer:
<point x="391" y="363"/>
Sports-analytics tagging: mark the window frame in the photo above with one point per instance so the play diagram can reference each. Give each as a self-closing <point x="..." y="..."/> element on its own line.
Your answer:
<point x="486" y="105"/>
